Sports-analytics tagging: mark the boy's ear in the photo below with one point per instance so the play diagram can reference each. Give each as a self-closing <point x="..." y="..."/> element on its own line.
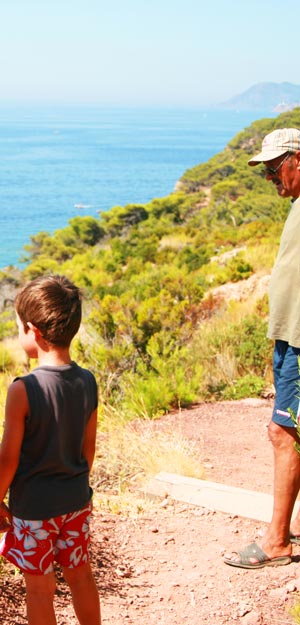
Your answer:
<point x="34" y="329"/>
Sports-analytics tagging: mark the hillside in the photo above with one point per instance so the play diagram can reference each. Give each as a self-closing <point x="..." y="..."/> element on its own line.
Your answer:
<point x="159" y="330"/>
<point x="266" y="96"/>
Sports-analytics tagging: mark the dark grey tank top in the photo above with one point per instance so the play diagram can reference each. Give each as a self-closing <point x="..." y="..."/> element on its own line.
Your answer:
<point x="53" y="476"/>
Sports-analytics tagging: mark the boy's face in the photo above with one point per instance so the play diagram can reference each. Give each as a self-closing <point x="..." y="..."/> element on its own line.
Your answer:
<point x="27" y="339"/>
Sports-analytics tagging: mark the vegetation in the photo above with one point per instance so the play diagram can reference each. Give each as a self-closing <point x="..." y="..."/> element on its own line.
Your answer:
<point x="295" y="612"/>
<point x="129" y="453"/>
<point x="158" y="331"/>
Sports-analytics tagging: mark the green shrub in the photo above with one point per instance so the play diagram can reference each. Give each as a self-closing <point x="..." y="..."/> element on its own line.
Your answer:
<point x="247" y="386"/>
<point x="7" y="325"/>
<point x="233" y="350"/>
<point x="7" y="361"/>
<point x="250" y="345"/>
<point x="171" y="379"/>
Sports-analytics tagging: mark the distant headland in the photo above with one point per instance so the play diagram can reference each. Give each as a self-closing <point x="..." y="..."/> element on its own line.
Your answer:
<point x="275" y="97"/>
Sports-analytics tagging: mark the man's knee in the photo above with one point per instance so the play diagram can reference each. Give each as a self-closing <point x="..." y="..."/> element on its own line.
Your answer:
<point x="281" y="436"/>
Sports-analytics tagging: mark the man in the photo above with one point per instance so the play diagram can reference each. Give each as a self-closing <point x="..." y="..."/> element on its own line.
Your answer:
<point x="281" y="156"/>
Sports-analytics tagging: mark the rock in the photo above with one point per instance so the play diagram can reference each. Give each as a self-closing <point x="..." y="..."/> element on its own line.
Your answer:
<point x="252" y="618"/>
<point x="291" y="587"/>
<point x="278" y="593"/>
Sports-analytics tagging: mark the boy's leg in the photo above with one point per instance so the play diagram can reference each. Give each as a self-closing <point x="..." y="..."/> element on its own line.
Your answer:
<point x="85" y="595"/>
<point x="40" y="591"/>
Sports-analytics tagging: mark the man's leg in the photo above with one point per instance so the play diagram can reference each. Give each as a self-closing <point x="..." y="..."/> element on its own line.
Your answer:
<point x="84" y="594"/>
<point x="283" y="436"/>
<point x="40" y="591"/>
<point x="276" y="541"/>
<point x="286" y="379"/>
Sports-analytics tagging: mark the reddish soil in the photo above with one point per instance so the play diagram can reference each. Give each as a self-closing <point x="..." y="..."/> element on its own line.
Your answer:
<point x="165" y="566"/>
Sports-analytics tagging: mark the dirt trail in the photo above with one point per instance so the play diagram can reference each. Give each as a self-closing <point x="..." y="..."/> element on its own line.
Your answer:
<point x="165" y="566"/>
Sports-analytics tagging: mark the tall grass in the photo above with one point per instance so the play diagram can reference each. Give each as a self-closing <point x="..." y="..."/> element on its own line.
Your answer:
<point x="235" y="354"/>
<point x="129" y="453"/>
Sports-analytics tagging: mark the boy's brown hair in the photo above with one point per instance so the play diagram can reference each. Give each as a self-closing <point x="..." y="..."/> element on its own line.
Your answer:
<point x="53" y="305"/>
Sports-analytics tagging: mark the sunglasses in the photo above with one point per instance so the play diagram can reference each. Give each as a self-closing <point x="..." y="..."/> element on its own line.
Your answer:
<point x="271" y="171"/>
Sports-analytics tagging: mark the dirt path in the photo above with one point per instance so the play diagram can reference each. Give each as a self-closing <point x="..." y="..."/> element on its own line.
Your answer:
<point x="165" y="566"/>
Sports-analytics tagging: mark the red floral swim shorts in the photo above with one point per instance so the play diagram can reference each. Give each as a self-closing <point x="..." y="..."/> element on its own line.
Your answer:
<point x="34" y="546"/>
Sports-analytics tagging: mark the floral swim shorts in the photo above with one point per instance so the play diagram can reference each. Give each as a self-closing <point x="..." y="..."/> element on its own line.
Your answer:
<point x="34" y="546"/>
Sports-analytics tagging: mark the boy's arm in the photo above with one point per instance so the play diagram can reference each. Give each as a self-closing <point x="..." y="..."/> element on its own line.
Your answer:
<point x="16" y="410"/>
<point x="89" y="441"/>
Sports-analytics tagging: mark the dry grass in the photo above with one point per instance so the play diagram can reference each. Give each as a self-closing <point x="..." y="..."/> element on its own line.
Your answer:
<point x="130" y="453"/>
<point x="261" y="257"/>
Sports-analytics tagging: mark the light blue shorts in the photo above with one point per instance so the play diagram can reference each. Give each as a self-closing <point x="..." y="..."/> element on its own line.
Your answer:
<point x="287" y="383"/>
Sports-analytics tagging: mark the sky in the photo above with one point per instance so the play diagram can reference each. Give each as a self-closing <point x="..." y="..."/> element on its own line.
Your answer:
<point x="172" y="53"/>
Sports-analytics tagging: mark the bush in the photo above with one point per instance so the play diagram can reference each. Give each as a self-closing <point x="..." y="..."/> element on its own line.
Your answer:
<point x="7" y="361"/>
<point x="247" y="386"/>
<point x="235" y="347"/>
<point x="171" y="380"/>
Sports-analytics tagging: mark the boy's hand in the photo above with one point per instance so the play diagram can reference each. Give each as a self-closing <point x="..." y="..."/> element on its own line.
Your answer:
<point x="5" y="518"/>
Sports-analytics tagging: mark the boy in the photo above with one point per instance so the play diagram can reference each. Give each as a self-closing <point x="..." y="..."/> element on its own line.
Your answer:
<point x="46" y="454"/>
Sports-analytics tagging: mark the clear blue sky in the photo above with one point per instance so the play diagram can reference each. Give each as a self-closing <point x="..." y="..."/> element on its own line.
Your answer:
<point x="145" y="52"/>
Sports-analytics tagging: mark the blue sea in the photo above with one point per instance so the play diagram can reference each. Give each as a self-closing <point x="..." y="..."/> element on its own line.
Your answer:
<point x="59" y="162"/>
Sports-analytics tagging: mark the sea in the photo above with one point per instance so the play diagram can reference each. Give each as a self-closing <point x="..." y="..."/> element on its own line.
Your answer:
<point x="58" y="162"/>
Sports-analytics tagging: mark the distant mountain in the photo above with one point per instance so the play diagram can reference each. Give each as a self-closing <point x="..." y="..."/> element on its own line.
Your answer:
<point x="268" y="96"/>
